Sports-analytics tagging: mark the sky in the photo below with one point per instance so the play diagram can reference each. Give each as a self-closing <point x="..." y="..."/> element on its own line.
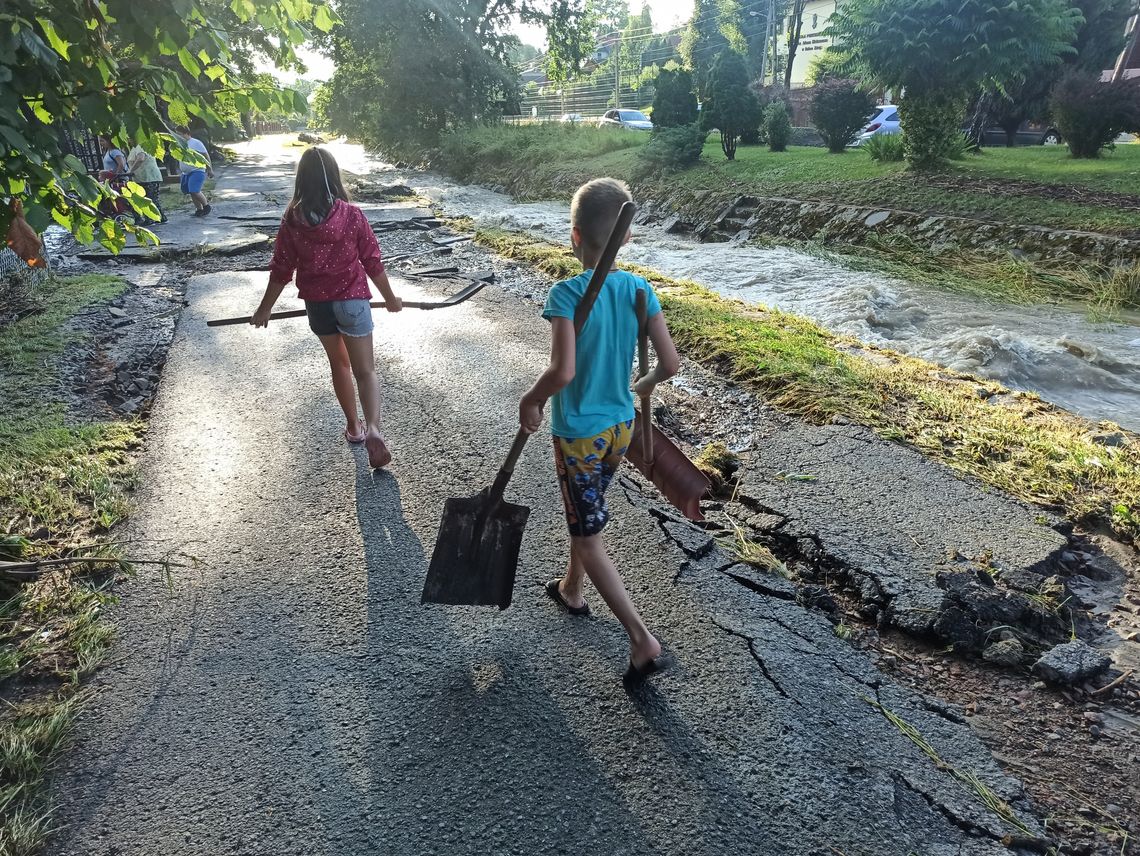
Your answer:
<point x="667" y="14"/>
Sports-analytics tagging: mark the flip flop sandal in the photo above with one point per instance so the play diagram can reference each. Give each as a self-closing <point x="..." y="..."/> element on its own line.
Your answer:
<point x="556" y="596"/>
<point x="355" y="438"/>
<point x="635" y="675"/>
<point x="378" y="454"/>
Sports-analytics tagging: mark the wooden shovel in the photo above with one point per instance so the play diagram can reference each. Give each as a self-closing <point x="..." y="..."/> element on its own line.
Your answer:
<point x="652" y="452"/>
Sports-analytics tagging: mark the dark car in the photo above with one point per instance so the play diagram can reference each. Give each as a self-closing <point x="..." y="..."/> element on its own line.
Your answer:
<point x="1028" y="134"/>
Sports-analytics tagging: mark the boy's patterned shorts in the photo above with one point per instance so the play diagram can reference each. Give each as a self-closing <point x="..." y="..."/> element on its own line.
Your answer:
<point x="586" y="466"/>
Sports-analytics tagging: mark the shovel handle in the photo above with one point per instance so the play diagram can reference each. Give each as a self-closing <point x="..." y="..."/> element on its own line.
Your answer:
<point x="508" y="468"/>
<point x="642" y="305"/>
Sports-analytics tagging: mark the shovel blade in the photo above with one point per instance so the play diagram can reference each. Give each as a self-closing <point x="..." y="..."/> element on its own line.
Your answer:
<point x="476" y="553"/>
<point x="671" y="472"/>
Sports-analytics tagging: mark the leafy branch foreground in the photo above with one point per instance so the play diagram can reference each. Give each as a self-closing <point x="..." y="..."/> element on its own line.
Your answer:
<point x="1009" y="440"/>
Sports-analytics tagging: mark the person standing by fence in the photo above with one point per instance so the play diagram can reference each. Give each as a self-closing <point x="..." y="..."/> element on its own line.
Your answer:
<point x="194" y="175"/>
<point x="144" y="167"/>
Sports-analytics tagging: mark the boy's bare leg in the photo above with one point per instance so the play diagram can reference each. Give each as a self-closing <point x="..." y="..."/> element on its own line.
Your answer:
<point x="570" y="587"/>
<point x="590" y="553"/>
<point x="200" y="200"/>
<point x="342" y="379"/>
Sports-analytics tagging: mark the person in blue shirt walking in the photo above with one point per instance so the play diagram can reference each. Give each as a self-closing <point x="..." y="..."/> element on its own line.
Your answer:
<point x="588" y="384"/>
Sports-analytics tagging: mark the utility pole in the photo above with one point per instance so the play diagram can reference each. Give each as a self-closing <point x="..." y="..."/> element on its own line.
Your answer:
<point x="764" y="44"/>
<point x="772" y="28"/>
<point x="617" y="69"/>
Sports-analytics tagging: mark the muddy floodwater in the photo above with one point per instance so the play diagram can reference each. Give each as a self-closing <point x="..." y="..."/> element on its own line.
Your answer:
<point x="1090" y="367"/>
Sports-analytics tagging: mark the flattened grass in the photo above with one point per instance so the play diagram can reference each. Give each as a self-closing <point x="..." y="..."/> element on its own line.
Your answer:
<point x="1009" y="440"/>
<point x="61" y="485"/>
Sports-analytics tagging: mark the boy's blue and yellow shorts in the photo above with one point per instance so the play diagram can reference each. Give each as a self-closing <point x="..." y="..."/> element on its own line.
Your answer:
<point x="586" y="466"/>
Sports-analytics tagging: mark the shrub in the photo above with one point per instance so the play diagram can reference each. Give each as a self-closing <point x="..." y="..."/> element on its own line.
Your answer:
<point x="752" y="122"/>
<point x="885" y="148"/>
<point x="674" y="102"/>
<point x="777" y="126"/>
<point x="1090" y="114"/>
<point x="752" y="133"/>
<point x="930" y="122"/>
<point x="839" y="109"/>
<point x="959" y="145"/>
<point x="671" y="149"/>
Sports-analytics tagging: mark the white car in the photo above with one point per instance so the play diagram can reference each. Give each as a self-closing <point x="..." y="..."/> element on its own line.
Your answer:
<point x="572" y="118"/>
<point x="885" y="120"/>
<point x="634" y="120"/>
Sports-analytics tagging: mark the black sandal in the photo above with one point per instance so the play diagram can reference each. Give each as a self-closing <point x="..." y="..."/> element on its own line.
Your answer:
<point x="635" y="675"/>
<point x="556" y="596"/>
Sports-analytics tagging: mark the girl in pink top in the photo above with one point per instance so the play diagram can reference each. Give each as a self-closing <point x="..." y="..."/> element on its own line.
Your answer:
<point x="330" y="246"/>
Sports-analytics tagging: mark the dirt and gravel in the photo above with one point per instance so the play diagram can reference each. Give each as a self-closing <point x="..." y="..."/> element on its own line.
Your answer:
<point x="292" y="694"/>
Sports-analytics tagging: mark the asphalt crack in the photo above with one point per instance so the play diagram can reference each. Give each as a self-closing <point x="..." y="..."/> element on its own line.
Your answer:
<point x="760" y="662"/>
<point x="1012" y="841"/>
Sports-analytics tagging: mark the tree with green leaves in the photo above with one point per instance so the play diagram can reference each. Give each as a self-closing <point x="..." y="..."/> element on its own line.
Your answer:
<point x="1098" y="42"/>
<point x="729" y="100"/>
<point x="937" y="53"/>
<point x="702" y="41"/>
<point x="118" y="68"/>
<point x="674" y="102"/>
<point x="407" y="71"/>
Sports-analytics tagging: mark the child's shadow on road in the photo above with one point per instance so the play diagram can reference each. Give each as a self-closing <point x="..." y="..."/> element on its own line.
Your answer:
<point x="468" y="747"/>
<point x="471" y="751"/>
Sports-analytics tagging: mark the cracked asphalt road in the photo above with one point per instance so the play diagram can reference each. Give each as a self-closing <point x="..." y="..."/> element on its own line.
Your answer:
<point x="291" y="695"/>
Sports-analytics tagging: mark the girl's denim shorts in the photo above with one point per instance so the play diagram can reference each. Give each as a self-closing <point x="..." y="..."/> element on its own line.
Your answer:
<point x="329" y="317"/>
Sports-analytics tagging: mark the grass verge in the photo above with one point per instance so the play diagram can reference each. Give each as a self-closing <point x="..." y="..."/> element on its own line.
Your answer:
<point x="1008" y="440"/>
<point x="61" y="485"/>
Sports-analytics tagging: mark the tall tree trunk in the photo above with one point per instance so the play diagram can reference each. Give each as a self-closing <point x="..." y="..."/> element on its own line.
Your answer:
<point x="980" y="118"/>
<point x="794" y="31"/>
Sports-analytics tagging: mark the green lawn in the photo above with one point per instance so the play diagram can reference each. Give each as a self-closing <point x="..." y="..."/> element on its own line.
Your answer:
<point x="1118" y="171"/>
<point x="1031" y="185"/>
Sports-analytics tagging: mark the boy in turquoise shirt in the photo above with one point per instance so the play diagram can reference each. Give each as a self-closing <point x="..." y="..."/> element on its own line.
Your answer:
<point x="592" y="409"/>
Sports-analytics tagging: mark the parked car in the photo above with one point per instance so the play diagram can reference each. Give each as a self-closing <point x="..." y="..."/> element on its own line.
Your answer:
<point x="634" y="120"/>
<point x="1028" y="134"/>
<point x="572" y="118"/>
<point x="885" y="120"/>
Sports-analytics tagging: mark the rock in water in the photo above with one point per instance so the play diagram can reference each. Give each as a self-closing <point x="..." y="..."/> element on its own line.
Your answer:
<point x="1071" y="663"/>
<point x="1007" y="653"/>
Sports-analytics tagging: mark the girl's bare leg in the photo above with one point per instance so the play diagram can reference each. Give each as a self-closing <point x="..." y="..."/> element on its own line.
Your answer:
<point x="364" y="370"/>
<point x="342" y="379"/>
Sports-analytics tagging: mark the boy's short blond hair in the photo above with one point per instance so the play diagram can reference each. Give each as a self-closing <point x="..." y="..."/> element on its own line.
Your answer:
<point x="594" y="209"/>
